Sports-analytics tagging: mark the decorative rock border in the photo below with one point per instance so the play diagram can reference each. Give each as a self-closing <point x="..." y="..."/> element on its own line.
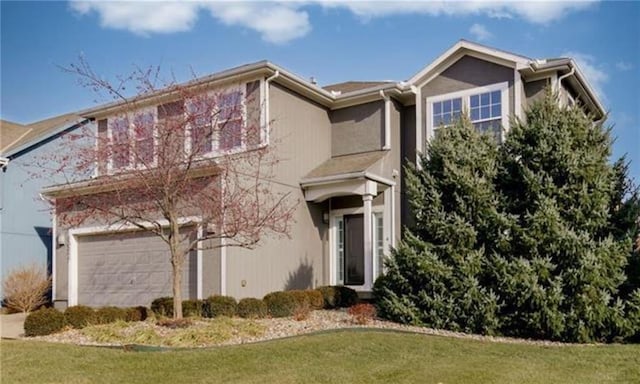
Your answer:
<point x="318" y="321"/>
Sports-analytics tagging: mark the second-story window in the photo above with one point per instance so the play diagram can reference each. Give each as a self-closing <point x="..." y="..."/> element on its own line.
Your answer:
<point x="486" y="107"/>
<point x="120" y="151"/>
<point x="217" y="122"/>
<point x="143" y="128"/>
<point x="230" y="120"/>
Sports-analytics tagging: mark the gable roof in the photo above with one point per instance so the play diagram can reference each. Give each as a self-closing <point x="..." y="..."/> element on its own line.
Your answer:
<point x="33" y="133"/>
<point x="10" y="133"/>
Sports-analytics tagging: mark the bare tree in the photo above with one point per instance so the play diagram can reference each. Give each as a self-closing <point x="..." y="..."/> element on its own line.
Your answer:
<point x="186" y="162"/>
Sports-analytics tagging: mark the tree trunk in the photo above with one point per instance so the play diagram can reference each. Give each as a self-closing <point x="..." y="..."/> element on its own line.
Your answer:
<point x="177" y="258"/>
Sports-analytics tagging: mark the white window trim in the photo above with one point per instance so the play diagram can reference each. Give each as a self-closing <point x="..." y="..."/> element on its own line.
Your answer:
<point x="465" y="95"/>
<point x="132" y="140"/>
<point x="334" y="216"/>
<point x="72" y="281"/>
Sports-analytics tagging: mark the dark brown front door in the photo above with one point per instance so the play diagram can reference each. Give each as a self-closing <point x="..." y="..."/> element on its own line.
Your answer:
<point x="354" y="250"/>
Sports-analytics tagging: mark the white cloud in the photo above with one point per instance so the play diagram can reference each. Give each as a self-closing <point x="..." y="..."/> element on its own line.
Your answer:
<point x="275" y="22"/>
<point x="534" y="11"/>
<point x="282" y="21"/>
<point x="141" y="17"/>
<point x="480" y="32"/>
<point x="624" y="66"/>
<point x="596" y="76"/>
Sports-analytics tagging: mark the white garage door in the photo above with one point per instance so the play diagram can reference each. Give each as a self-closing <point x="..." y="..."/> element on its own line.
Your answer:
<point x="128" y="269"/>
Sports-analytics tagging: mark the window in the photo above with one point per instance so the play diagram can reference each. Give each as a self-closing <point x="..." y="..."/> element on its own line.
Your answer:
<point x="487" y="108"/>
<point x="217" y="123"/>
<point x="378" y="249"/>
<point x="143" y="127"/>
<point x="486" y="111"/>
<point x="132" y="140"/>
<point x="230" y="120"/>
<point x="120" y="154"/>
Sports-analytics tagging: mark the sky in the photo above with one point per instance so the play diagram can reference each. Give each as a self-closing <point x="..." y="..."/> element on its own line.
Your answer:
<point x="332" y="41"/>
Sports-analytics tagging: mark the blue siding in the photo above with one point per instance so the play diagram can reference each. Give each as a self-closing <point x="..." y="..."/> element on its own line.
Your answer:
<point x="25" y="219"/>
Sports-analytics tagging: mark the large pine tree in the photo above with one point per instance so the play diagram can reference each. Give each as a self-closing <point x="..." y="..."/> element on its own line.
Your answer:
<point x="436" y="275"/>
<point x="531" y="238"/>
<point x="561" y="276"/>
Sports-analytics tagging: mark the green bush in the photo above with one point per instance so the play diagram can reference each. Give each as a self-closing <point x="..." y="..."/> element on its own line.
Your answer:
<point x="280" y="304"/>
<point x="106" y="315"/>
<point x="316" y="300"/>
<point x="43" y="322"/>
<point x="302" y="300"/>
<point x="220" y="306"/>
<point x="163" y="306"/>
<point x="193" y="308"/>
<point x="330" y="296"/>
<point x="338" y="296"/>
<point x="348" y="296"/>
<point x="79" y="316"/>
<point x="251" y="308"/>
<point x="137" y="313"/>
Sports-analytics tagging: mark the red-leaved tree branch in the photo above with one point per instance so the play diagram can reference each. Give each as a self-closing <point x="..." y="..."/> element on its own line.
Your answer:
<point x="188" y="163"/>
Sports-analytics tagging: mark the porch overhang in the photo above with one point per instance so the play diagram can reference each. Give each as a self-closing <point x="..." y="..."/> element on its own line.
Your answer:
<point x="362" y="183"/>
<point x="348" y="175"/>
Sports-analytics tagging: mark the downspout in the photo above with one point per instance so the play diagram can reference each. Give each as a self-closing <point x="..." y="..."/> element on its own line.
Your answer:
<point x="559" y="83"/>
<point x="3" y="162"/>
<point x="387" y="120"/>
<point x="267" y="122"/>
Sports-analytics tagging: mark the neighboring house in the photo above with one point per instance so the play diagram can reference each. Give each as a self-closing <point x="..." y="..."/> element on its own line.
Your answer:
<point x="343" y="148"/>
<point x="25" y="219"/>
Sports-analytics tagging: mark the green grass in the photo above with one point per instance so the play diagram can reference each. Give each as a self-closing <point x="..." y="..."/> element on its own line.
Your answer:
<point x="333" y="357"/>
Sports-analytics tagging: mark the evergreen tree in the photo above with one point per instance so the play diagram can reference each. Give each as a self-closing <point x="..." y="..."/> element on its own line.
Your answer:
<point x="530" y="239"/>
<point x="437" y="275"/>
<point x="561" y="277"/>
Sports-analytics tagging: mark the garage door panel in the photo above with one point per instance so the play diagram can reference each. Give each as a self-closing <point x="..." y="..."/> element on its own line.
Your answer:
<point x="128" y="269"/>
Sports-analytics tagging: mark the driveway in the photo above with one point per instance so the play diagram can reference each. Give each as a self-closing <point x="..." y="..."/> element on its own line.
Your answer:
<point x="12" y="326"/>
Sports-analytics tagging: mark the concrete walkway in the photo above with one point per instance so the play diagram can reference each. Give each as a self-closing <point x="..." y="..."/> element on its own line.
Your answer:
<point x="12" y="326"/>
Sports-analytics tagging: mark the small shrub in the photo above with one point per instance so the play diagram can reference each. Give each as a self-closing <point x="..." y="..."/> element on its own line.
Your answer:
<point x="302" y="300"/>
<point x="280" y="304"/>
<point x="251" y="308"/>
<point x="44" y="321"/>
<point x="220" y="306"/>
<point x="348" y="296"/>
<point x="175" y="323"/>
<point x="362" y="313"/>
<point x="25" y="288"/>
<point x="163" y="306"/>
<point x="331" y="296"/>
<point x="338" y="296"/>
<point x="316" y="301"/>
<point x="193" y="308"/>
<point x="106" y="315"/>
<point x="79" y="316"/>
<point x="137" y="313"/>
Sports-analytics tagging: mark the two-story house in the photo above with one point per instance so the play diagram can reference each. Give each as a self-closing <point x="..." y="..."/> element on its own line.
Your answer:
<point x="342" y="149"/>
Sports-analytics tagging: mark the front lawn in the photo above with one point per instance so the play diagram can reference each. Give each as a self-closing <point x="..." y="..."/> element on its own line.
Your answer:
<point x="348" y="356"/>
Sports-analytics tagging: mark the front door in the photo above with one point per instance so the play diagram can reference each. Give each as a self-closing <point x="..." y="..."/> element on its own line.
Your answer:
<point x="353" y="250"/>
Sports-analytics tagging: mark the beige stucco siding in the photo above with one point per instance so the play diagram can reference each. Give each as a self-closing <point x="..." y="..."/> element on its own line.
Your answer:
<point x="534" y="90"/>
<point x="357" y="129"/>
<point x="467" y="73"/>
<point x="301" y="135"/>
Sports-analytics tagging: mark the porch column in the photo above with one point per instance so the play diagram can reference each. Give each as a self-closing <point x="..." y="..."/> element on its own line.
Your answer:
<point x="368" y="243"/>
